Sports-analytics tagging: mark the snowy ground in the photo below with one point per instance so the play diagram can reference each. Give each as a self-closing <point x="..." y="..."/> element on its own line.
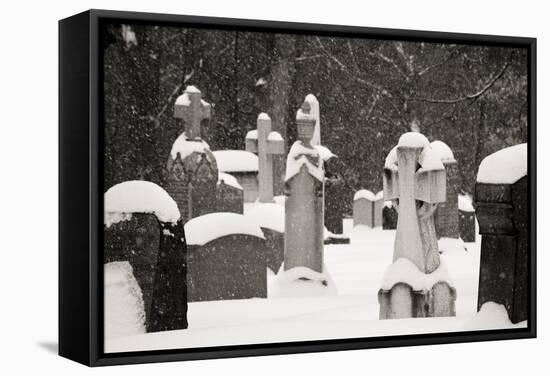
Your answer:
<point x="357" y="271"/>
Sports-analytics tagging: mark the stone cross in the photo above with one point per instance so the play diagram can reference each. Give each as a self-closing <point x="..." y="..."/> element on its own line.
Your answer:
<point x="304" y="209"/>
<point x="415" y="181"/>
<point x="192" y="109"/>
<point x="266" y="143"/>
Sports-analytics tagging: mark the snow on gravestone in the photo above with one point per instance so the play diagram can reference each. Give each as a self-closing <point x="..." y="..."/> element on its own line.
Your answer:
<point x="229" y="194"/>
<point x="266" y="143"/>
<point x="409" y="288"/>
<point x="124" y="311"/>
<point x="304" y="229"/>
<point x="192" y="171"/>
<point x="226" y="258"/>
<point x="446" y="214"/>
<point x="367" y="208"/>
<point x="501" y="202"/>
<point x="466" y="219"/>
<point x="271" y="218"/>
<point x="243" y="165"/>
<point x="143" y="227"/>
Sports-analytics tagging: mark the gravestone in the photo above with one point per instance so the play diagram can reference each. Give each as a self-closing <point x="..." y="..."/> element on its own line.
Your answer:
<point x="229" y="194"/>
<point x="466" y="219"/>
<point x="446" y="214"/>
<point x="367" y="208"/>
<point x="416" y="284"/>
<point x="226" y="258"/>
<point x="271" y="219"/>
<point x="266" y="143"/>
<point x="335" y="191"/>
<point x="143" y="227"/>
<point x="243" y="165"/>
<point x="304" y="217"/>
<point x="502" y="209"/>
<point x="389" y="215"/>
<point x="192" y="172"/>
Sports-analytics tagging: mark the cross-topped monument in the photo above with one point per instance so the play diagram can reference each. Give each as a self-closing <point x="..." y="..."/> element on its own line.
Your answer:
<point x="266" y="143"/>
<point x="304" y="203"/>
<point x="415" y="285"/>
<point x="414" y="178"/>
<point x="192" y="110"/>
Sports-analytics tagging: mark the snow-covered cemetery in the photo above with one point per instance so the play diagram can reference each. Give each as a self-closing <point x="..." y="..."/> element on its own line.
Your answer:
<point x="279" y="229"/>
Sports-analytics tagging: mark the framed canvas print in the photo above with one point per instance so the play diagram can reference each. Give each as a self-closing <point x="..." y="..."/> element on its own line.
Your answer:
<point x="239" y="187"/>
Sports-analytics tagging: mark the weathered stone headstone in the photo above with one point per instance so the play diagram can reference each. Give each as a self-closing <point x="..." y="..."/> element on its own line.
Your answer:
<point x="143" y="227"/>
<point x="466" y="219"/>
<point x="229" y="194"/>
<point x="502" y="209"/>
<point x="389" y="215"/>
<point x="243" y="165"/>
<point x="367" y="208"/>
<point x="192" y="171"/>
<point x="416" y="284"/>
<point x="446" y="214"/>
<point x="226" y="257"/>
<point x="304" y="215"/>
<point x="266" y="143"/>
<point x="335" y="191"/>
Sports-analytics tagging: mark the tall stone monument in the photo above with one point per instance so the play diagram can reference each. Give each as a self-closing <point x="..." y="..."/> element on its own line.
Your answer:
<point x="266" y="143"/>
<point x="304" y="204"/>
<point x="192" y="172"/>
<point x="502" y="210"/>
<point x="416" y="284"/>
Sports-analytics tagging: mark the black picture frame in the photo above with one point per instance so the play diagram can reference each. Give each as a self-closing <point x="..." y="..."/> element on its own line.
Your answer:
<point x="80" y="189"/>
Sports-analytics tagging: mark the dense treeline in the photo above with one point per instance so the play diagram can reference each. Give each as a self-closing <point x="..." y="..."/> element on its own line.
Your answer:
<point x="473" y="98"/>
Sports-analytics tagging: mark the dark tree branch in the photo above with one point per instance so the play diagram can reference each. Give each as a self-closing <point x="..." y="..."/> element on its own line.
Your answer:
<point x="468" y="97"/>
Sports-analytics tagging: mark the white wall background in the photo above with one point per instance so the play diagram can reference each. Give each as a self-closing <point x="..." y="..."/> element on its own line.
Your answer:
<point x="28" y="176"/>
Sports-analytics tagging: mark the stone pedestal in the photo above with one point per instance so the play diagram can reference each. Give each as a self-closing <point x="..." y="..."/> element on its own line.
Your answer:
<point x="502" y="213"/>
<point x="401" y="302"/>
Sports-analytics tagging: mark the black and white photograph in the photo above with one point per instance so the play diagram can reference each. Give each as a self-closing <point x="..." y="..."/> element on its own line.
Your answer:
<point x="265" y="187"/>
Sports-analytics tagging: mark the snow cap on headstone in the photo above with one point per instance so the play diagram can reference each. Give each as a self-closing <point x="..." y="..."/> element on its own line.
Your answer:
<point x="137" y="196"/>
<point x="443" y="151"/>
<point x="185" y="147"/>
<point x="204" y="229"/>
<point x="506" y="166"/>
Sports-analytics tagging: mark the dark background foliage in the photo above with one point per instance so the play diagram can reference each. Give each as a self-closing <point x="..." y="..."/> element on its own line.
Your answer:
<point x="473" y="98"/>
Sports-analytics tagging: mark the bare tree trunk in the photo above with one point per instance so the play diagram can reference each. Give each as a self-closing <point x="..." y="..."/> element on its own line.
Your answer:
<point x="281" y="89"/>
